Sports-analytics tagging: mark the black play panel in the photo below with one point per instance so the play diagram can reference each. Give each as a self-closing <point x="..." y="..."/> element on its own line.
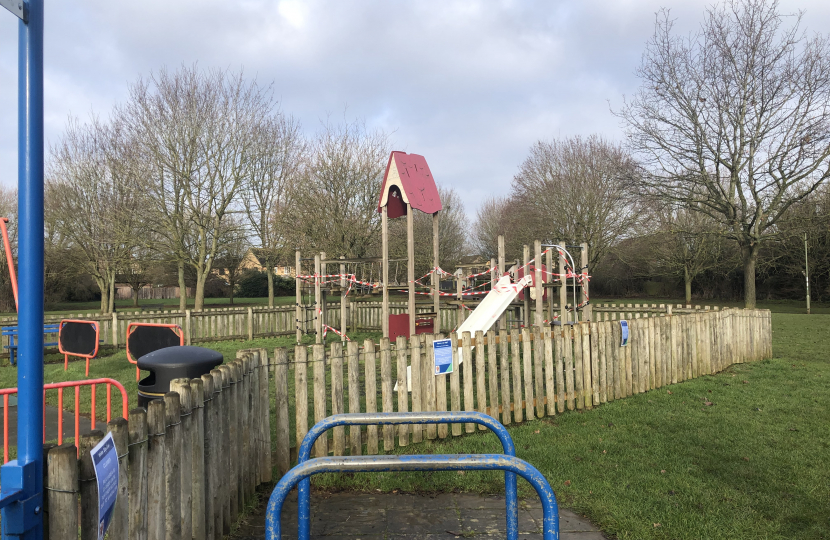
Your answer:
<point x="146" y="339"/>
<point x="78" y="338"/>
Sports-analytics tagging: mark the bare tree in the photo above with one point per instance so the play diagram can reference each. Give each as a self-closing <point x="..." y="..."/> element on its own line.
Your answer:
<point x="686" y="244"/>
<point x="93" y="194"/>
<point x="489" y="224"/>
<point x="280" y="150"/>
<point x="333" y="206"/>
<point x="575" y="189"/>
<point x="196" y="131"/>
<point x="733" y="120"/>
<point x="234" y="246"/>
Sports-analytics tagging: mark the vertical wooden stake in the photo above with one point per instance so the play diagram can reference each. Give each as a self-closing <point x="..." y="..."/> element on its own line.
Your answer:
<point x="138" y="440"/>
<point x="353" y="351"/>
<point x="281" y="405"/>
<point x="62" y="492"/>
<point x="155" y="470"/>
<point x="120" y="524"/>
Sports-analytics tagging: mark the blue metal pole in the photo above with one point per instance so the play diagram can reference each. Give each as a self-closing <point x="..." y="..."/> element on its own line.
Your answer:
<point x="482" y="462"/>
<point x="384" y="419"/>
<point x="23" y="519"/>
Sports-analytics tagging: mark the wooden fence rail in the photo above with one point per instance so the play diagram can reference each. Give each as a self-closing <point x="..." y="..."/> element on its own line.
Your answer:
<point x="253" y="322"/>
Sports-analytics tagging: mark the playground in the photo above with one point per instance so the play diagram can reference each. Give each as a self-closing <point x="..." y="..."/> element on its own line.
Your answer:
<point x="651" y="421"/>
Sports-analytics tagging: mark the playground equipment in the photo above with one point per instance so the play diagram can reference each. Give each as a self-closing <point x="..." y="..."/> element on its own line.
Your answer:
<point x="305" y="467"/>
<point x="78" y="338"/>
<point x="144" y="338"/>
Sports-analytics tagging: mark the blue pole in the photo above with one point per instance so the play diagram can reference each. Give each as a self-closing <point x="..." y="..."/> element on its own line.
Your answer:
<point x="23" y="518"/>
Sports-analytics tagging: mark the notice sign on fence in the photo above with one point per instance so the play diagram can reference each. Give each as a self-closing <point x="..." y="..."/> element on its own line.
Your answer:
<point x="105" y="462"/>
<point x="442" y="349"/>
<point x="624" y="328"/>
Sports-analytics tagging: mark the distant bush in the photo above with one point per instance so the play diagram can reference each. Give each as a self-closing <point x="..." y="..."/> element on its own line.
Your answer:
<point x="254" y="284"/>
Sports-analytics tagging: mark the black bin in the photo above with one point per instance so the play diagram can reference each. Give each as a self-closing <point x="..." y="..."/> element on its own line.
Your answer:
<point x="171" y="363"/>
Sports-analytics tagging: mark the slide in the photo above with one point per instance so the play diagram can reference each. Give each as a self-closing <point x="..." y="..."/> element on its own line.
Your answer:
<point x="487" y="312"/>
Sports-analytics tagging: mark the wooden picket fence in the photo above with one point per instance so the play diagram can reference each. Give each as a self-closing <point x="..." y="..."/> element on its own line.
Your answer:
<point x="191" y="461"/>
<point x="187" y="465"/>
<point x="512" y="375"/>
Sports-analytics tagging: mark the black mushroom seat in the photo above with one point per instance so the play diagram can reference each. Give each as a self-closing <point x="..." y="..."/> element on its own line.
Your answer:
<point x="171" y="363"/>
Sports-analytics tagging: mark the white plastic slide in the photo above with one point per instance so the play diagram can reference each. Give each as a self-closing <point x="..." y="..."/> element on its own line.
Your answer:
<point x="487" y="312"/>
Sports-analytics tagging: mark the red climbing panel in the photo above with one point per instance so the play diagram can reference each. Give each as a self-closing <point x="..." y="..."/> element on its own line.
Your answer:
<point x="408" y="180"/>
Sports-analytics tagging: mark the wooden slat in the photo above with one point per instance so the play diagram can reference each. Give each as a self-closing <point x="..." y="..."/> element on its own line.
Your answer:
<point x="386" y="392"/>
<point x="417" y="405"/>
<point x="370" y="374"/>
<point x="587" y="383"/>
<point x="403" y="393"/>
<point x="455" y="383"/>
<point x="492" y="374"/>
<point x="353" y="360"/>
<point x="481" y="388"/>
<point x="428" y="377"/>
<point x="300" y="393"/>
<point x="467" y="375"/>
<point x="538" y="368"/>
<point x="321" y="448"/>
<point x="527" y="371"/>
<point x="441" y="396"/>
<point x="283" y="442"/>
<point x="515" y="360"/>
<point x="598" y="351"/>
<point x="504" y="372"/>
<point x="337" y="405"/>
<point x="561" y="343"/>
<point x="578" y="370"/>
<point x="550" y="389"/>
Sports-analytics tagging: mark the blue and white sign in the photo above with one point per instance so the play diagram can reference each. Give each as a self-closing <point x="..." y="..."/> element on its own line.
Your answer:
<point x="105" y="462"/>
<point x="442" y="349"/>
<point x="624" y="327"/>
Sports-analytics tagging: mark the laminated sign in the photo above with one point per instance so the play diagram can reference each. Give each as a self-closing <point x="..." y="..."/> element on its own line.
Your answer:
<point x="624" y="328"/>
<point x="443" y="356"/>
<point x="105" y="462"/>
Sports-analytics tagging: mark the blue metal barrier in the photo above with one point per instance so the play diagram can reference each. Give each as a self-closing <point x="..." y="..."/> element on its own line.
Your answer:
<point x="480" y="462"/>
<point x="397" y="418"/>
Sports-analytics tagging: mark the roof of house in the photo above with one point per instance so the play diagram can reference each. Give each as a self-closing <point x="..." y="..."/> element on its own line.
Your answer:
<point x="409" y="181"/>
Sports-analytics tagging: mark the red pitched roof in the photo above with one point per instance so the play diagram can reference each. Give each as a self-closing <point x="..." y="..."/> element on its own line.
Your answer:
<point x="408" y="180"/>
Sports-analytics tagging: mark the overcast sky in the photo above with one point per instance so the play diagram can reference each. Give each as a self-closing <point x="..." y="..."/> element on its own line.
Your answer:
<point x="470" y="85"/>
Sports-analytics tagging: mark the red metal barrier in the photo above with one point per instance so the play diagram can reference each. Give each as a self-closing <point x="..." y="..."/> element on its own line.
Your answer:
<point x="6" y="392"/>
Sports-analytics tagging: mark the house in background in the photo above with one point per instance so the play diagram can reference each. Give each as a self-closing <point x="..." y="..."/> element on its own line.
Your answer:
<point x="254" y="258"/>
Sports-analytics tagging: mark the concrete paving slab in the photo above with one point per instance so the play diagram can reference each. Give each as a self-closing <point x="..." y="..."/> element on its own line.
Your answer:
<point x="371" y="516"/>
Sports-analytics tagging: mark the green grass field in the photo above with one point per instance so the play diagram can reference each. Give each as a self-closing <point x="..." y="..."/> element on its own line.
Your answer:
<point x="665" y="465"/>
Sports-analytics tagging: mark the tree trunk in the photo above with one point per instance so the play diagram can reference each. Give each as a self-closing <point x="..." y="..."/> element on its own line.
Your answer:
<point x="182" y="289"/>
<point x="269" y="270"/>
<point x="135" y="297"/>
<point x="102" y="286"/>
<point x="687" y="279"/>
<point x="232" y="285"/>
<point x="112" y="293"/>
<point x="750" y="257"/>
<point x="199" y="296"/>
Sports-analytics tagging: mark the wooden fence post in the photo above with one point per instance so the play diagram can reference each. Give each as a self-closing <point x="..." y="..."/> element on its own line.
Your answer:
<point x="504" y="371"/>
<point x="481" y="383"/>
<point x="281" y="392"/>
<point x="115" y="330"/>
<point x="263" y="371"/>
<point x="300" y="393"/>
<point x="188" y="327"/>
<point x="321" y="448"/>
<point x="138" y="474"/>
<point x="369" y="364"/>
<point x="250" y="324"/>
<point x="155" y="470"/>
<point x="182" y="387"/>
<point x="353" y="353"/>
<point x="467" y="374"/>
<point x="403" y="391"/>
<point x="172" y="466"/>
<point x="230" y="422"/>
<point x="416" y="373"/>
<point x="386" y="391"/>
<point x="120" y="524"/>
<point x="197" y="442"/>
<point x="210" y="429"/>
<point x="89" y="487"/>
<point x="62" y="492"/>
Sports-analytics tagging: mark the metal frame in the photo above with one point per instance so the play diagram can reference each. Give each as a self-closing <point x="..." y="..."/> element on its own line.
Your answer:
<point x="175" y="327"/>
<point x="22" y="479"/>
<point x="438" y="462"/>
<point x="67" y="354"/>
<point x="398" y="418"/>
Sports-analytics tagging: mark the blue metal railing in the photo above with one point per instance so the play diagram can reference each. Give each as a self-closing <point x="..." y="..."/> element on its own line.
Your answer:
<point x="480" y="462"/>
<point x="398" y="418"/>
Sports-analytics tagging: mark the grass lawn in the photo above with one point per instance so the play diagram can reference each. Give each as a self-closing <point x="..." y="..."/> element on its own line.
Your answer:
<point x="664" y="464"/>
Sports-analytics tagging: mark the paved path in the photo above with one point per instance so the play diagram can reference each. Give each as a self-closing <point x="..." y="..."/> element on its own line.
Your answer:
<point x="51" y="423"/>
<point x="361" y="516"/>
